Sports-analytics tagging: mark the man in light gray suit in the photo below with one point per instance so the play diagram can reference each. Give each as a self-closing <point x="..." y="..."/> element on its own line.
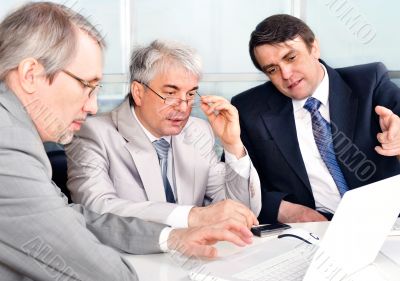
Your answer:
<point x="114" y="163"/>
<point x="50" y="67"/>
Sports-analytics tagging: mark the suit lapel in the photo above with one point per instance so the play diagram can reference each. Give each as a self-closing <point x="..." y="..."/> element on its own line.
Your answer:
<point x="184" y="169"/>
<point x="141" y="150"/>
<point x="343" y="105"/>
<point x="280" y="123"/>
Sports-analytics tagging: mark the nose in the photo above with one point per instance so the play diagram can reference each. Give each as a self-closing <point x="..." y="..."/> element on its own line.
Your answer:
<point x="182" y="106"/>
<point x="286" y="71"/>
<point x="90" y="105"/>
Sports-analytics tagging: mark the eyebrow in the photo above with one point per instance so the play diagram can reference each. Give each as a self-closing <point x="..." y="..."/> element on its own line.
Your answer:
<point x="96" y="79"/>
<point x="177" y="88"/>
<point x="290" y="52"/>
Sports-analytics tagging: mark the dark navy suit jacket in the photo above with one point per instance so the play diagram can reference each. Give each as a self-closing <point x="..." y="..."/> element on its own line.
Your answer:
<point x="269" y="134"/>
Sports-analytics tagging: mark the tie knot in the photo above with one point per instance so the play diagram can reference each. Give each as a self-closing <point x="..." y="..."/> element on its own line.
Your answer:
<point x="312" y="104"/>
<point x="161" y="147"/>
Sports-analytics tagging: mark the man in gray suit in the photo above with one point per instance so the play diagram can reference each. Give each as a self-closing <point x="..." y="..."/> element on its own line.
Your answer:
<point x="50" y="67"/>
<point x="114" y="163"/>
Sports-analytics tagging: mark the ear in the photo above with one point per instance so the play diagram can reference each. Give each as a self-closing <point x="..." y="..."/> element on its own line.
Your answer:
<point x="28" y="74"/>
<point x="137" y="91"/>
<point x="315" y="51"/>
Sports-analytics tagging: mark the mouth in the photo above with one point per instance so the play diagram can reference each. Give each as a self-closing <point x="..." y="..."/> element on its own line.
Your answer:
<point x="77" y="124"/>
<point x="295" y="84"/>
<point x="176" y="121"/>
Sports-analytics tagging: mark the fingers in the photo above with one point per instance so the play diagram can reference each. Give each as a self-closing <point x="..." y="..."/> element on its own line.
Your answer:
<point x="209" y="235"/>
<point x="197" y="241"/>
<point x="231" y="231"/>
<point x="384" y="115"/>
<point x="243" y="232"/>
<point x="386" y="143"/>
<point x="221" y="211"/>
<point x="192" y="242"/>
<point x="388" y="121"/>
<point x="212" y="99"/>
<point x="383" y="138"/>
<point x="202" y="251"/>
<point x="392" y="131"/>
<point x="383" y="111"/>
<point x="387" y="152"/>
<point x="211" y="104"/>
<point x="240" y="212"/>
<point x="390" y="136"/>
<point x="249" y="216"/>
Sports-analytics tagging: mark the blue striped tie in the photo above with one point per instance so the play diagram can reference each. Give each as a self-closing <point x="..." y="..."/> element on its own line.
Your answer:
<point x="323" y="138"/>
<point x="162" y="147"/>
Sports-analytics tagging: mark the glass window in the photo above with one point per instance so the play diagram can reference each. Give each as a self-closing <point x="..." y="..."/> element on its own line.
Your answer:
<point x="356" y="31"/>
<point x="218" y="29"/>
<point x="350" y="32"/>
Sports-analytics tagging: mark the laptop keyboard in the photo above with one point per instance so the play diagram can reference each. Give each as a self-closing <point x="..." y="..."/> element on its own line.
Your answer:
<point x="290" y="266"/>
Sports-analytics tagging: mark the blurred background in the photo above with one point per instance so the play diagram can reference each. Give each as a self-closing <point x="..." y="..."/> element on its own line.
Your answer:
<point x="350" y="32"/>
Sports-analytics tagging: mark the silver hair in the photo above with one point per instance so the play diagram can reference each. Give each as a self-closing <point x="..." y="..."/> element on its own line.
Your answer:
<point x="44" y="31"/>
<point x="148" y="61"/>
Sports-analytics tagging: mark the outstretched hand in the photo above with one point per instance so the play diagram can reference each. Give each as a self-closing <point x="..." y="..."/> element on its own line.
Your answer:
<point x="198" y="241"/>
<point x="390" y="136"/>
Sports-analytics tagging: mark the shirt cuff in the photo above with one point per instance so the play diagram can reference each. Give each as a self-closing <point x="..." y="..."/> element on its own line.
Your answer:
<point x="179" y="217"/>
<point x="240" y="166"/>
<point x="163" y="239"/>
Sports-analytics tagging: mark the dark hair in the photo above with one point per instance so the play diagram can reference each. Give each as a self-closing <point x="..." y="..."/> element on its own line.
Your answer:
<point x="277" y="29"/>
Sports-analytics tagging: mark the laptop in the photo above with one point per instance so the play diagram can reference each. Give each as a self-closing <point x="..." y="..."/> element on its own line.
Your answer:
<point x="349" y="249"/>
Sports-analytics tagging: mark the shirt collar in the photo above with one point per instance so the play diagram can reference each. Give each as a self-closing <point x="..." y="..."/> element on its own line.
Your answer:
<point x="321" y="93"/>
<point x="150" y="136"/>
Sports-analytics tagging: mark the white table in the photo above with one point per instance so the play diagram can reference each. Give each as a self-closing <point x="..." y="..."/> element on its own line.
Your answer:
<point x="168" y="267"/>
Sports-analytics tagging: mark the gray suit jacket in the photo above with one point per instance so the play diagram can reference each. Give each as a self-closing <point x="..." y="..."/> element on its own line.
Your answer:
<point x="113" y="167"/>
<point x="41" y="237"/>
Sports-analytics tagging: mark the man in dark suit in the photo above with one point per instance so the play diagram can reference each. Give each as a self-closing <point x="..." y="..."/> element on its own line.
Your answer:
<point x="314" y="132"/>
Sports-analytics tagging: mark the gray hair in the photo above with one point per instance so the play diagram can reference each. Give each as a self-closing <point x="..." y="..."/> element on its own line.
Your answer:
<point x="148" y="61"/>
<point x="44" y="31"/>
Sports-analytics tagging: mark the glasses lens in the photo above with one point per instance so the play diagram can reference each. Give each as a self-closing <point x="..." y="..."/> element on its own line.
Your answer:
<point x="94" y="91"/>
<point x="194" y="101"/>
<point x="173" y="101"/>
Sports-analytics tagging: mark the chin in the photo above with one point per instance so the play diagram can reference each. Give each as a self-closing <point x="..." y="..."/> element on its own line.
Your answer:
<point x="298" y="96"/>
<point x="66" y="137"/>
<point x="173" y="132"/>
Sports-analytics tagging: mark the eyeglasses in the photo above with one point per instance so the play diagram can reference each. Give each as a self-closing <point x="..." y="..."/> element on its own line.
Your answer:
<point x="193" y="100"/>
<point x="94" y="88"/>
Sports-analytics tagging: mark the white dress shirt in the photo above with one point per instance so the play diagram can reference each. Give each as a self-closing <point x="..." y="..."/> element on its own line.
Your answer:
<point x="324" y="189"/>
<point x="180" y="215"/>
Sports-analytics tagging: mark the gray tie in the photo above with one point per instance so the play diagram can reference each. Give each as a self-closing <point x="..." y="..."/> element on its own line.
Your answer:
<point x="162" y="147"/>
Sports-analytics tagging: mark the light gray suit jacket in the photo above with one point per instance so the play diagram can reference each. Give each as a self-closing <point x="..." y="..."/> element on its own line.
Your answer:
<point x="41" y="237"/>
<point x="113" y="167"/>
